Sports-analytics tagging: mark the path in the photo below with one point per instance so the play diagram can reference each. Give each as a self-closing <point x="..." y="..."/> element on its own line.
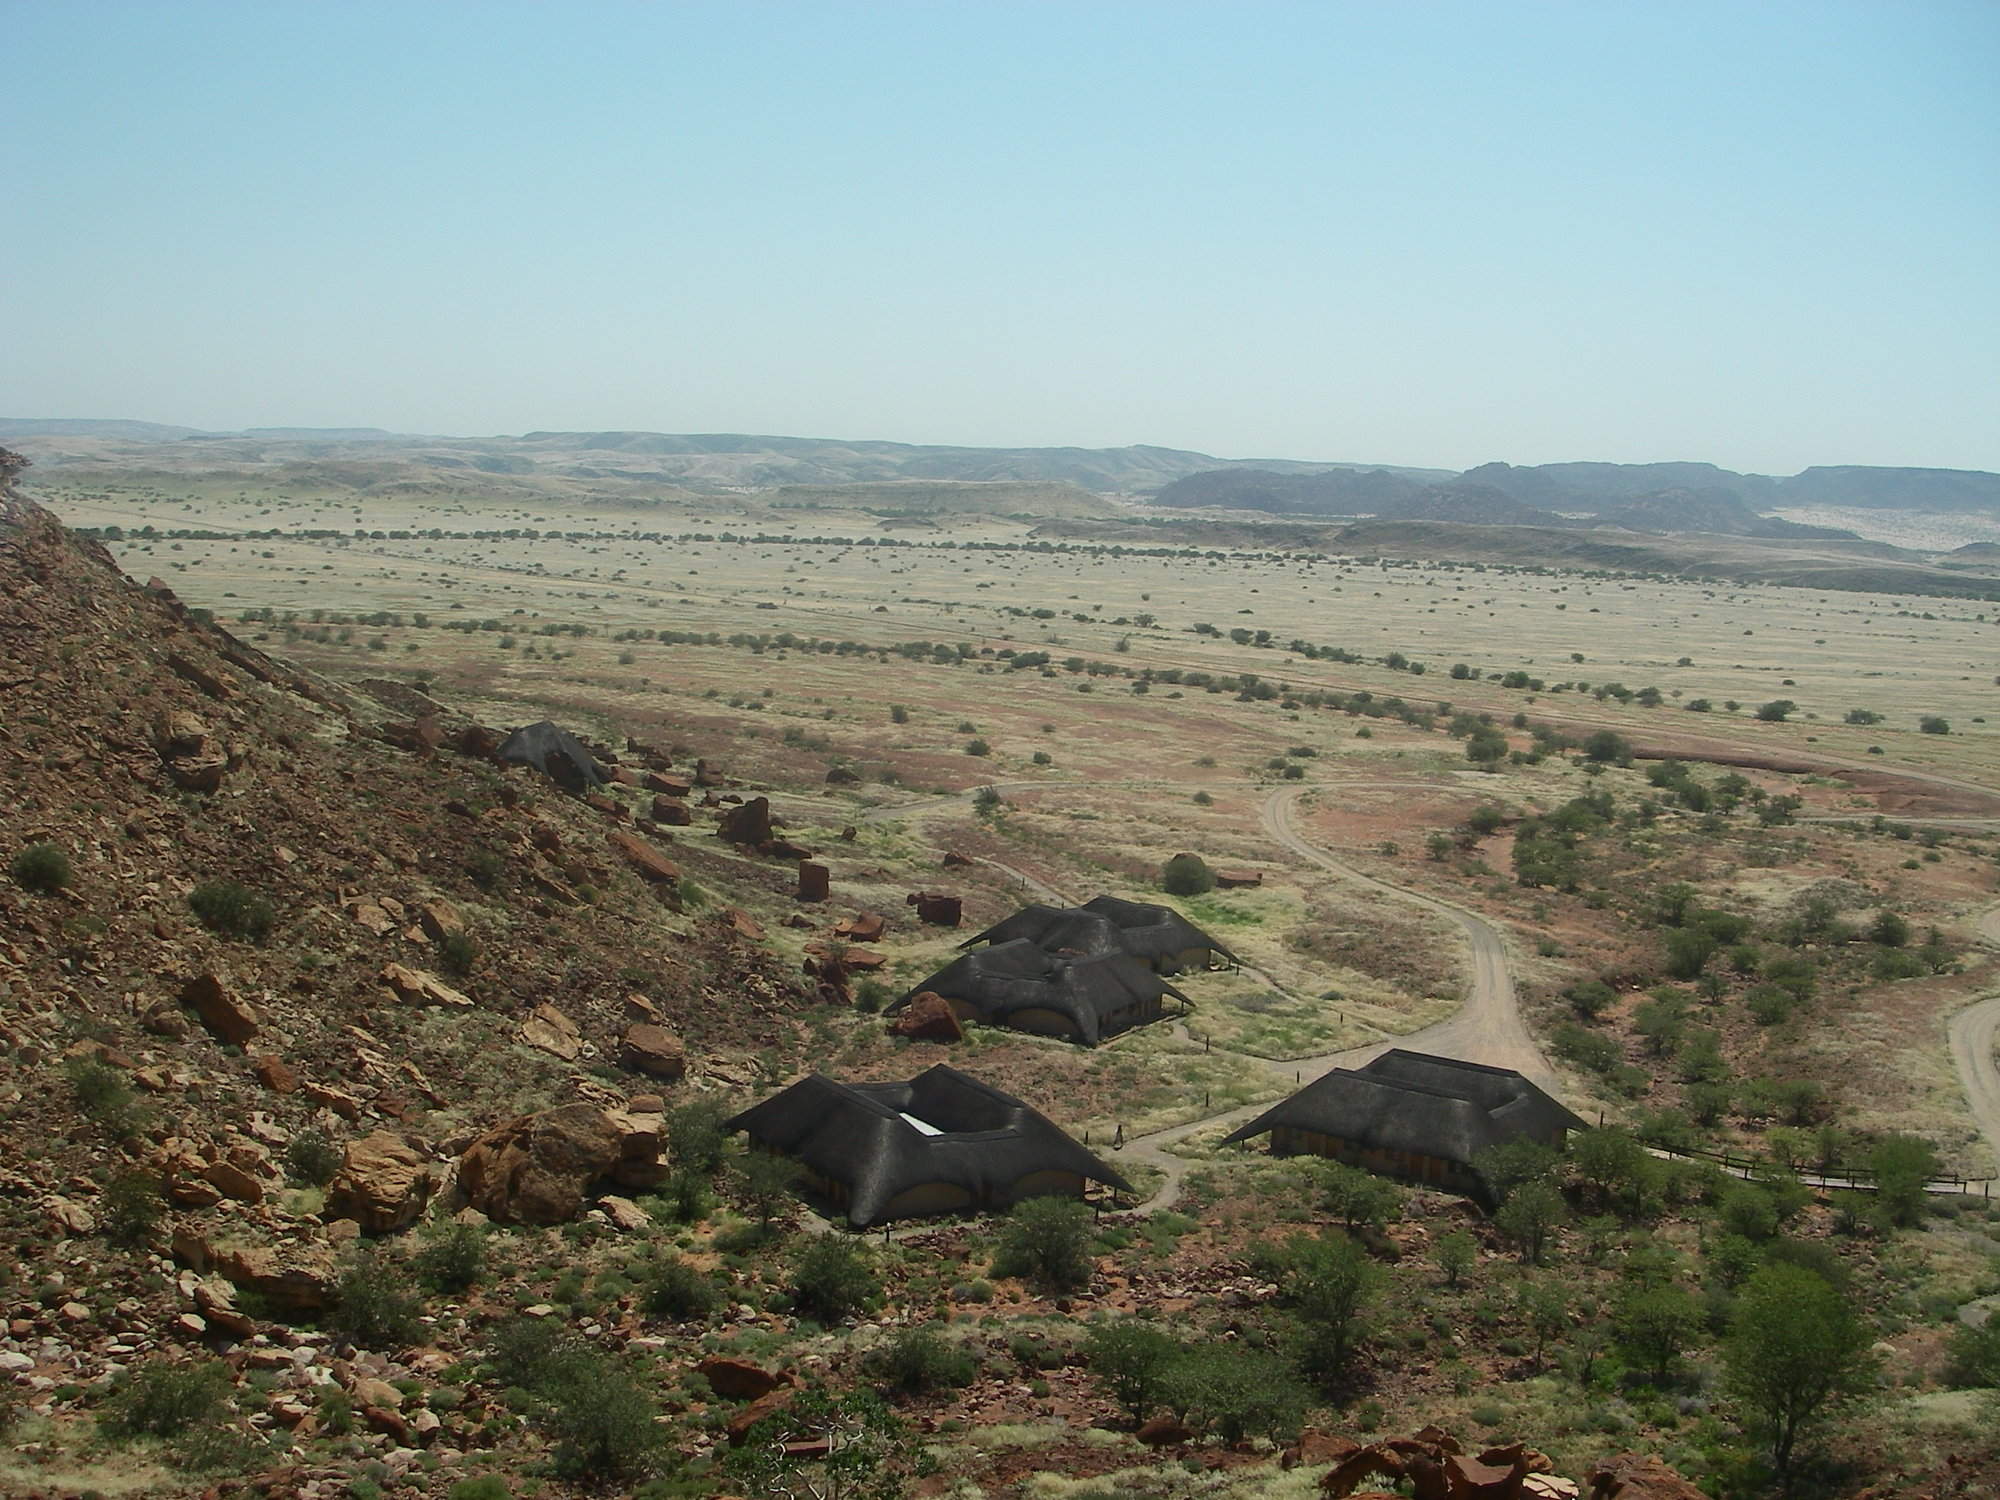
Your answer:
<point x="1974" y="1032"/>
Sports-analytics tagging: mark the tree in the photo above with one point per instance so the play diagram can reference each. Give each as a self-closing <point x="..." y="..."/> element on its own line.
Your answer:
<point x="1187" y="875"/>
<point x="1327" y="1281"/>
<point x="766" y="1181"/>
<point x="1890" y="929"/>
<point x="1777" y="710"/>
<point x="1656" y="1324"/>
<point x="1903" y="1166"/>
<point x="1933" y="724"/>
<point x="1544" y="1308"/>
<point x="1795" y="1350"/>
<point x="1613" y="1162"/>
<point x="695" y="1137"/>
<point x="1235" y="1392"/>
<point x="1456" y="1253"/>
<point x="1131" y="1357"/>
<point x="1046" y="1241"/>
<point x="1607" y="747"/>
<point x="832" y="1280"/>
<point x="1356" y="1197"/>
<point x="1504" y="1168"/>
<point x="1532" y="1212"/>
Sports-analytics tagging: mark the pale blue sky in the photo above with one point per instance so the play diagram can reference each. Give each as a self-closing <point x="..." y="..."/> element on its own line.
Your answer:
<point x="1763" y="234"/>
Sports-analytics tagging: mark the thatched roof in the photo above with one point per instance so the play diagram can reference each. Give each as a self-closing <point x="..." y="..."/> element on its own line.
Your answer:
<point x="1103" y="924"/>
<point x="1017" y="975"/>
<point x="860" y="1134"/>
<point x="1413" y="1101"/>
<point x="556" y="753"/>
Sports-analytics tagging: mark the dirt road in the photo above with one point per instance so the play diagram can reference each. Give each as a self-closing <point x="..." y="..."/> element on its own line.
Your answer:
<point x="1975" y="1031"/>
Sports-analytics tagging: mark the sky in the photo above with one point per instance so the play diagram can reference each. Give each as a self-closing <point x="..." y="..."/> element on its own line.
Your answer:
<point x="1433" y="234"/>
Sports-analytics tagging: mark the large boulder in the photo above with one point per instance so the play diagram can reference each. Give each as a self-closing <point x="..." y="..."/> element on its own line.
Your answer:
<point x="738" y="1379"/>
<point x="1638" y="1476"/>
<point x="646" y="860"/>
<point x="414" y="987"/>
<point x="552" y="1032"/>
<point x="653" y="1050"/>
<point x="538" y="1169"/>
<point x="383" y="1184"/>
<point x="815" y="880"/>
<point x="747" y="823"/>
<point x="230" y="1019"/>
<point x="929" y="1018"/>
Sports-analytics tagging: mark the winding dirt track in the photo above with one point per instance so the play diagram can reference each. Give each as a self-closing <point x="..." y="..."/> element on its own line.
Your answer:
<point x="1975" y="1031"/>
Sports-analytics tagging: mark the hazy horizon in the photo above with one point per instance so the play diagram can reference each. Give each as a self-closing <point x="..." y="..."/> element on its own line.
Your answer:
<point x="1426" y="238"/>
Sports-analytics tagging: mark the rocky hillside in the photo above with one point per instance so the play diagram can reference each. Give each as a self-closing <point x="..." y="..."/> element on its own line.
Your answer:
<point x="276" y="969"/>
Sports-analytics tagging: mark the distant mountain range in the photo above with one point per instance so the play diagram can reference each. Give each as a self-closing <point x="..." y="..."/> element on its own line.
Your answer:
<point x="627" y="467"/>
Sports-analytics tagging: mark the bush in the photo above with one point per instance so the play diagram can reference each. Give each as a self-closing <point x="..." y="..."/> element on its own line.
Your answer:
<point x="921" y="1359"/>
<point x="312" y="1158"/>
<point x="675" y="1289"/>
<point x="1046" y="1241"/>
<point x="1131" y="1358"/>
<point x="41" y="868"/>
<point x="458" y="952"/>
<point x="598" y="1417"/>
<point x="833" y="1280"/>
<point x="454" y="1260"/>
<point x="231" y="910"/>
<point x="103" y="1095"/>
<point x="978" y="748"/>
<point x="131" y="1208"/>
<point x="164" y="1400"/>
<point x="375" y="1306"/>
<point x="1933" y="724"/>
<point x="1187" y="875"/>
<point x="485" y="1487"/>
<point x="695" y="1137"/>
<point x="1974" y="1360"/>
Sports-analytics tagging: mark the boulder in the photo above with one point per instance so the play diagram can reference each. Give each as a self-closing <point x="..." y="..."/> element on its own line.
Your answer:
<point x="232" y="1181"/>
<point x="742" y="923"/>
<point x="440" y="920"/>
<point x="536" y="1169"/>
<point x="624" y="1214"/>
<point x="678" y="787"/>
<point x="215" y="1300"/>
<point x="815" y="881"/>
<point x="552" y="1032"/>
<point x="748" y="823"/>
<point x="1638" y="1476"/>
<point x="1469" y="1479"/>
<point x="1378" y="1459"/>
<point x="862" y="927"/>
<point x="413" y="987"/>
<point x="953" y="859"/>
<point x="653" y="1050"/>
<point x="301" y="1277"/>
<point x="383" y="1184"/>
<point x="275" y="1074"/>
<point x="738" y="1379"/>
<point x="745" y="1418"/>
<point x="228" y="1018"/>
<point x="1230" y="880"/>
<point x="671" y="812"/>
<point x="929" y="1018"/>
<point x="842" y="776"/>
<point x="1163" y="1432"/>
<point x="936" y="909"/>
<point x="647" y="861"/>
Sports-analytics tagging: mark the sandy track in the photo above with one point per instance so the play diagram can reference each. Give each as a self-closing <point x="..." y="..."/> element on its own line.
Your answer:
<point x="1974" y="1032"/>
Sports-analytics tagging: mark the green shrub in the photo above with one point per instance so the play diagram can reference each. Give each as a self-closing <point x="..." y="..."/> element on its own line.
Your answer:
<point x="485" y="1487"/>
<point x="375" y="1306"/>
<point x="832" y="1280"/>
<point x="41" y="868"/>
<point x="231" y="910"/>
<point x="1046" y="1241"/>
<point x="312" y="1158"/>
<point x="1187" y="875"/>
<point x="675" y="1289"/>
<point x="458" y="952"/>
<point x="921" y="1359"/>
<point x="978" y="747"/>
<point x="131" y="1208"/>
<point x="588" y="1405"/>
<point x="166" y="1400"/>
<point x="103" y="1094"/>
<point x="453" y="1260"/>
<point x="695" y="1138"/>
<point x="485" y="867"/>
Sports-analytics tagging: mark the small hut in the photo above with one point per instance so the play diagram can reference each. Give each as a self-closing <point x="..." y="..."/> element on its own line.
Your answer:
<point x="1158" y="936"/>
<point x="1414" y="1116"/>
<point x="941" y="1143"/>
<point x="1019" y="985"/>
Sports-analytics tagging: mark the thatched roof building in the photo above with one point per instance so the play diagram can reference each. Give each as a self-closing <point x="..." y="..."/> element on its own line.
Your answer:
<point x="1415" y="1116"/>
<point x="1018" y="985"/>
<point x="941" y="1143"/>
<point x="556" y="753"/>
<point x="1159" y="936"/>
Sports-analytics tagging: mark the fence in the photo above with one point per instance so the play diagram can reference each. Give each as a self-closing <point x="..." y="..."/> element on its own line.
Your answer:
<point x="1860" y="1182"/>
